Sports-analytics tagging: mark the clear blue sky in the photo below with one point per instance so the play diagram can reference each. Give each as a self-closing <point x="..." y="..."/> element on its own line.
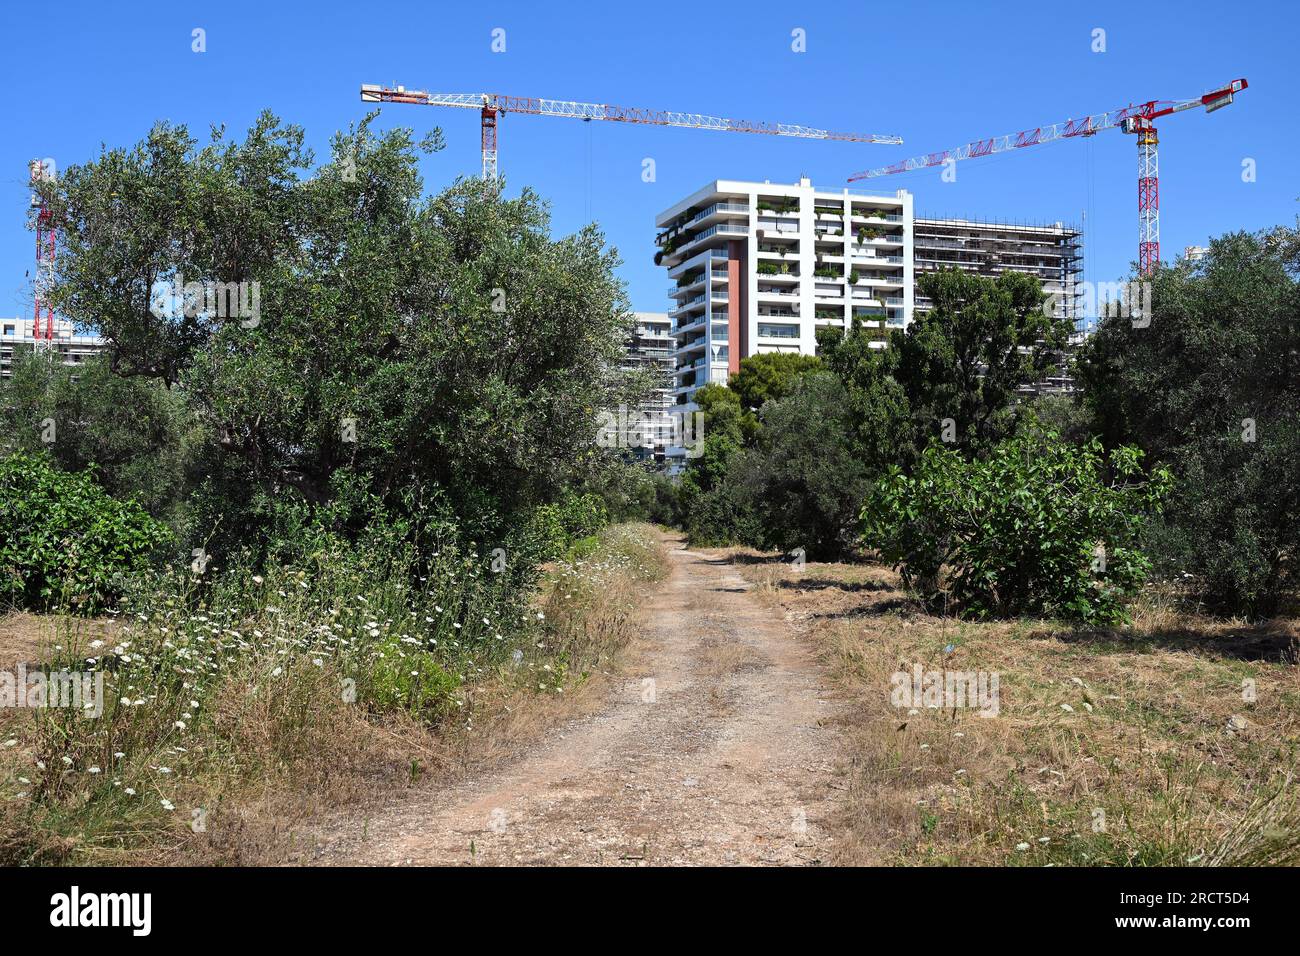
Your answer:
<point x="77" y="75"/>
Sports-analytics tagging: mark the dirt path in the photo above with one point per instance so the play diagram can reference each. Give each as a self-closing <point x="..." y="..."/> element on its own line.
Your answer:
<point x="717" y="749"/>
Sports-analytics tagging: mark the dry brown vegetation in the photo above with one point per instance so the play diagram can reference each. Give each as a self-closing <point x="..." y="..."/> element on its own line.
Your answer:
<point x="272" y="761"/>
<point x="1134" y="746"/>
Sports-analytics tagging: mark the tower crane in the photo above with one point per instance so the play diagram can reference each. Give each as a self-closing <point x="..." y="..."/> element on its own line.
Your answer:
<point x="39" y="171"/>
<point x="1138" y="120"/>
<point x="491" y="105"/>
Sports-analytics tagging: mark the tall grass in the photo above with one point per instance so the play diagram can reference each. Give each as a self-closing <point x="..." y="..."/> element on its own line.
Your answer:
<point x="218" y="688"/>
<point x="240" y="676"/>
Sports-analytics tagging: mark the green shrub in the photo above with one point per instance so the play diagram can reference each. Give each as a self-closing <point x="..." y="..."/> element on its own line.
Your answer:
<point x="1033" y="529"/>
<point x="553" y="528"/>
<point x="63" y="540"/>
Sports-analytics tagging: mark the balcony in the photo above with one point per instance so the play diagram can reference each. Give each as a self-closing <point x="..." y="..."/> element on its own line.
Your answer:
<point x="705" y="257"/>
<point x="689" y="247"/>
<point x="867" y="246"/>
<point x="777" y="276"/>
<point x="890" y="217"/>
<point x="681" y="307"/>
<point x="688" y="325"/>
<point x="721" y="208"/>
<point x="694" y="345"/>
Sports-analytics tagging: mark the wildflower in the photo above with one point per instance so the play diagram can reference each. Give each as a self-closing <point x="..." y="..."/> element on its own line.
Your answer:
<point x="129" y="791"/>
<point x="167" y="805"/>
<point x="94" y="770"/>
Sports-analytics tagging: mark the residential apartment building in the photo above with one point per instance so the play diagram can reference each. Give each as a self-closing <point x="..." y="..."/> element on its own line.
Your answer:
<point x="16" y="336"/>
<point x="759" y="267"/>
<point x="650" y="349"/>
<point x="1050" y="253"/>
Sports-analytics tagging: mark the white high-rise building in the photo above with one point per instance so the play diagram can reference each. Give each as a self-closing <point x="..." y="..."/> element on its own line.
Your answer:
<point x="759" y="267"/>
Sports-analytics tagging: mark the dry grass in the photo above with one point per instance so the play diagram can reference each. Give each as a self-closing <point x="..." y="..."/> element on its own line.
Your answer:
<point x="1122" y="747"/>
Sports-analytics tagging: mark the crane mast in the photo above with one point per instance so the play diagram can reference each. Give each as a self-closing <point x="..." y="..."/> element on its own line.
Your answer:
<point x="39" y="172"/>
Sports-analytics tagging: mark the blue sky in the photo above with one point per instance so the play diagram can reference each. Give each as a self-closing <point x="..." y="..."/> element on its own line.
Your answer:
<point x="77" y="75"/>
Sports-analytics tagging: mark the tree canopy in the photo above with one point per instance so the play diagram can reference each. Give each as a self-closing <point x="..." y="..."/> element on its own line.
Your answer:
<point x="390" y="344"/>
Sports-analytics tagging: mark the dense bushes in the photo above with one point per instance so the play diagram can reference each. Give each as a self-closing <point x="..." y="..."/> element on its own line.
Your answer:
<point x="1033" y="528"/>
<point x="1206" y="386"/>
<point x="792" y="443"/>
<point x="142" y="438"/>
<point x="802" y="479"/>
<point x="1210" y="386"/>
<point x="428" y="367"/>
<point x="64" y="541"/>
<point x="405" y="347"/>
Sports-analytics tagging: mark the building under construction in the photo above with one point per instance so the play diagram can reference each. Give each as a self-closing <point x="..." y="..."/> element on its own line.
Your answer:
<point x="650" y="349"/>
<point x="57" y="335"/>
<point x="1050" y="253"/>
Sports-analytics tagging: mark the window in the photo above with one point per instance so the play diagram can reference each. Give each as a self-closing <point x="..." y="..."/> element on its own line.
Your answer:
<point x="778" y="331"/>
<point x="9" y="330"/>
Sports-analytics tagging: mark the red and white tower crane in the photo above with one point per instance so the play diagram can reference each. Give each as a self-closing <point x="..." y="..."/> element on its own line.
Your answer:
<point x="1136" y="119"/>
<point x="491" y="105"/>
<point x="38" y="172"/>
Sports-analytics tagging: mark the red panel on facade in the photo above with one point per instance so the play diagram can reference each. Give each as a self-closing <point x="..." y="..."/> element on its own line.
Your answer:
<point x="737" y="296"/>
